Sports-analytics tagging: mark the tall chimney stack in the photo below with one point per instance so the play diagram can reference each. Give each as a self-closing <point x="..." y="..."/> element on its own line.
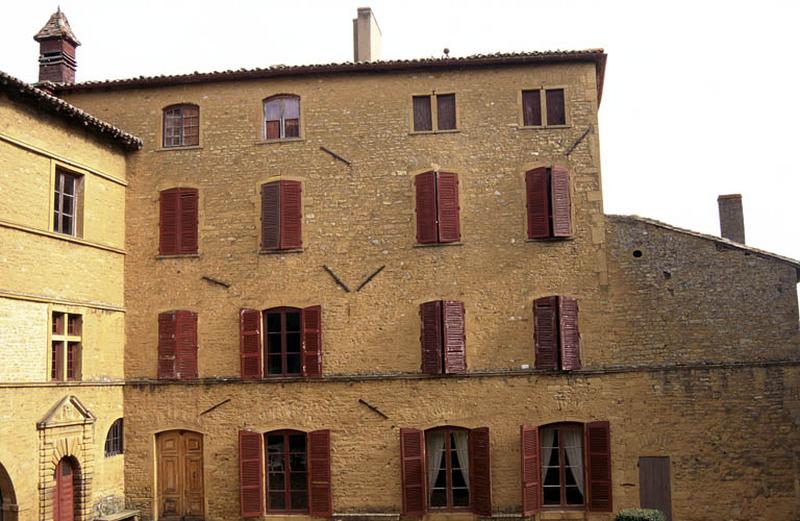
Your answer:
<point x="731" y="217"/>
<point x="57" y="45"/>
<point x="366" y="37"/>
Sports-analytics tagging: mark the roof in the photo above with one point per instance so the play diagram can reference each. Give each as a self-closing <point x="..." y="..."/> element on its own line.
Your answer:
<point x="596" y="56"/>
<point x="57" y="27"/>
<point x="23" y="92"/>
<point x="727" y="243"/>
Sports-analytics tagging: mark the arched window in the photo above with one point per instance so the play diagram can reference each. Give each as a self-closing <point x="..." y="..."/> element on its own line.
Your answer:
<point x="181" y="125"/>
<point x="282" y="117"/>
<point x="562" y="464"/>
<point x="114" y="443"/>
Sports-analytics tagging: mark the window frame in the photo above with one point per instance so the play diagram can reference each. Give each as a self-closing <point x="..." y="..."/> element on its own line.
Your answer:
<point x="563" y="505"/>
<point x="283" y="310"/>
<point x="281" y="119"/>
<point x="448" y="429"/>
<point x="60" y="174"/>
<point x="61" y="339"/>
<point x="543" y="89"/>
<point x="434" y="109"/>
<point x="286" y="453"/>
<point x="181" y="126"/>
<point x="114" y="445"/>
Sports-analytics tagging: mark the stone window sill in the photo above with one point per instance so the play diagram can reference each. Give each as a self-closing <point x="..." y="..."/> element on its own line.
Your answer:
<point x="435" y="244"/>
<point x="179" y="256"/>
<point x="285" y="140"/>
<point x="188" y="147"/>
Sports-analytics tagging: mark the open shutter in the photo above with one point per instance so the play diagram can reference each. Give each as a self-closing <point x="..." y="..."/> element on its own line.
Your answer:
<point x="529" y="451"/>
<point x="166" y="344"/>
<point x="598" y="465"/>
<point x="426" y="208"/>
<point x="291" y="215"/>
<point x="251" y="465"/>
<point x="422" y="114"/>
<point x="187" y="225"/>
<point x="185" y="345"/>
<point x="430" y="336"/>
<point x="168" y="222"/>
<point x="545" y="332"/>
<point x="560" y="199"/>
<point x="270" y="216"/>
<point x="412" y="458"/>
<point x="569" y="336"/>
<point x="447" y="207"/>
<point x="455" y="356"/>
<point x="538" y="203"/>
<point x="480" y="471"/>
<point x="312" y="341"/>
<point x="250" y="333"/>
<point x="319" y="454"/>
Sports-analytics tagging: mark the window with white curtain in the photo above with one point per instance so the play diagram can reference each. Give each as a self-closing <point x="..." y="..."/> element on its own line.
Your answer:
<point x="447" y="454"/>
<point x="562" y="464"/>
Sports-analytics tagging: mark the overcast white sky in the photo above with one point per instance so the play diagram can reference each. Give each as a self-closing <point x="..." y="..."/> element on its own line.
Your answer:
<point x="701" y="97"/>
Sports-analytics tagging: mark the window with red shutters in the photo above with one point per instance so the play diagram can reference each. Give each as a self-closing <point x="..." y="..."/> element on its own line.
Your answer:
<point x="177" y="345"/>
<point x="442" y="337"/>
<point x="250" y="338"/>
<point x="287" y="472"/>
<point x="251" y="479"/>
<point x="529" y="451"/>
<point x="181" y="126"/>
<point x="480" y="471"/>
<point x="598" y="463"/>
<point x="178" y="221"/>
<point x="548" y="203"/>
<point x="281" y="215"/>
<point x="437" y="208"/>
<point x="556" y="334"/>
<point x="562" y="465"/>
<point x="319" y="458"/>
<point x="312" y="341"/>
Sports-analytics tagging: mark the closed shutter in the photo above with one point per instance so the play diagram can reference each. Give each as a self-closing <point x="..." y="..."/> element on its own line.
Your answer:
<point x="270" y="216"/>
<point x="422" y="114"/>
<point x="447" y="207"/>
<point x="569" y="336"/>
<point x="538" y="203"/>
<point x="291" y="217"/>
<point x="598" y="465"/>
<point x="250" y="333"/>
<point x="430" y="337"/>
<point x="561" y="203"/>
<point x="545" y="332"/>
<point x="554" y="99"/>
<point x="480" y="471"/>
<point x="412" y="459"/>
<point x="312" y="341"/>
<point x="185" y="345"/>
<point x="166" y="344"/>
<point x="168" y="222"/>
<point x="319" y="455"/>
<point x="529" y="452"/>
<point x="426" y="208"/>
<point x="454" y="340"/>
<point x="251" y="465"/>
<point x="187" y="233"/>
<point x="446" y="111"/>
<point x="532" y="108"/>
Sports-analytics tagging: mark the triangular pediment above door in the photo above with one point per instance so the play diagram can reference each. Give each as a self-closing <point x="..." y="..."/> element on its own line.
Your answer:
<point x="68" y="411"/>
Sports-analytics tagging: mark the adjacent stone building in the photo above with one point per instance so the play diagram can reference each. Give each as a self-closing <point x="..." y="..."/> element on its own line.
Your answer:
<point x="379" y="289"/>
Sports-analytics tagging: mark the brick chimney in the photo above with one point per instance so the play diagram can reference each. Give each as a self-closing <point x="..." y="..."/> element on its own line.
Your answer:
<point x="366" y="36"/>
<point x="731" y="217"/>
<point x="57" y="45"/>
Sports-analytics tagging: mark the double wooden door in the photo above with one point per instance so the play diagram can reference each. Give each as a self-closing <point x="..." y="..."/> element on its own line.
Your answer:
<point x="180" y="476"/>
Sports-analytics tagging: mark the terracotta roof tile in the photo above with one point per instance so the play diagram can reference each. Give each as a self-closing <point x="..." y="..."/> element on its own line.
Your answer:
<point x="57" y="27"/>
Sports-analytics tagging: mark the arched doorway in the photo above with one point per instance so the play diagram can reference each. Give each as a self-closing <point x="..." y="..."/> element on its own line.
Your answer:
<point x="8" y="499"/>
<point x="66" y="494"/>
<point x="180" y="475"/>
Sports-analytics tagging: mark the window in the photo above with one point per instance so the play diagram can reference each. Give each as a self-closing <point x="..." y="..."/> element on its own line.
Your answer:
<point x="287" y="472"/>
<point x="114" y="439"/>
<point x="281" y="215"/>
<point x="551" y="105"/>
<point x="442" y="337"/>
<point x="549" y="204"/>
<point x="445" y="113"/>
<point x="556" y="335"/>
<point x="282" y="117"/>
<point x="181" y="126"/>
<point x="281" y="342"/>
<point x="177" y="345"/>
<point x="562" y="465"/>
<point x="65" y="350"/>
<point x="445" y="468"/>
<point x="178" y="209"/>
<point x="437" y="208"/>
<point x="67" y="203"/>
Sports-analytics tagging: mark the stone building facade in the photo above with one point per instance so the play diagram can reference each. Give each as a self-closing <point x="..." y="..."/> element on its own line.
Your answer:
<point x="345" y="294"/>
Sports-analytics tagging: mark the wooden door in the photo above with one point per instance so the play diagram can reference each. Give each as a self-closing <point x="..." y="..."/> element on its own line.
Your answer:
<point x="180" y="475"/>
<point x="655" y="490"/>
<point x="64" y="501"/>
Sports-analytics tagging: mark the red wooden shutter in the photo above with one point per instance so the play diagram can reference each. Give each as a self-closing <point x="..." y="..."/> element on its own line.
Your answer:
<point x="250" y="333"/>
<point x="185" y="345"/>
<point x="447" y="206"/>
<point x="538" y="203"/>
<point x="422" y="114"/>
<point x="187" y="221"/>
<point x="168" y="222"/>
<point x="291" y="215"/>
<point x="270" y="216"/>
<point x="569" y="335"/>
<point x="545" y="332"/>
<point x="598" y="465"/>
<point x="166" y="344"/>
<point x="251" y="480"/>
<point x="455" y="356"/>
<point x="561" y="203"/>
<point x="426" y="208"/>
<point x="319" y="456"/>
<point x="412" y="458"/>
<point x="430" y="336"/>
<point x="554" y="99"/>
<point x="480" y="471"/>
<point x="529" y="451"/>
<point x="312" y="341"/>
<point x="531" y="108"/>
<point x="446" y="111"/>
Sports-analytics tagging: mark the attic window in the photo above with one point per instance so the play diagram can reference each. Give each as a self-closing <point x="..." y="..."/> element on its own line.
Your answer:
<point x="181" y="126"/>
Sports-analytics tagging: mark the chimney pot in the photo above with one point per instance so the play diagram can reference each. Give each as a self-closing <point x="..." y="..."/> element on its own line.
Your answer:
<point x="731" y="217"/>
<point x="366" y="36"/>
<point x="57" y="44"/>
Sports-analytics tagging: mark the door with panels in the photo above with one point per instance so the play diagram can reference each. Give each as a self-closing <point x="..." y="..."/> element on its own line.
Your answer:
<point x="180" y="476"/>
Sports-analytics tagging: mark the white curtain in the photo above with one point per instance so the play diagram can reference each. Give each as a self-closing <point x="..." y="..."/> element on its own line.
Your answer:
<point x="462" y="449"/>
<point x="573" y="445"/>
<point x="434" y="445"/>
<point x="548" y="439"/>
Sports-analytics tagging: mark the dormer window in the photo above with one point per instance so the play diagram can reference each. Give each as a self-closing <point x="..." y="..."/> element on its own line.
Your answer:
<point x="181" y="126"/>
<point x="282" y="117"/>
